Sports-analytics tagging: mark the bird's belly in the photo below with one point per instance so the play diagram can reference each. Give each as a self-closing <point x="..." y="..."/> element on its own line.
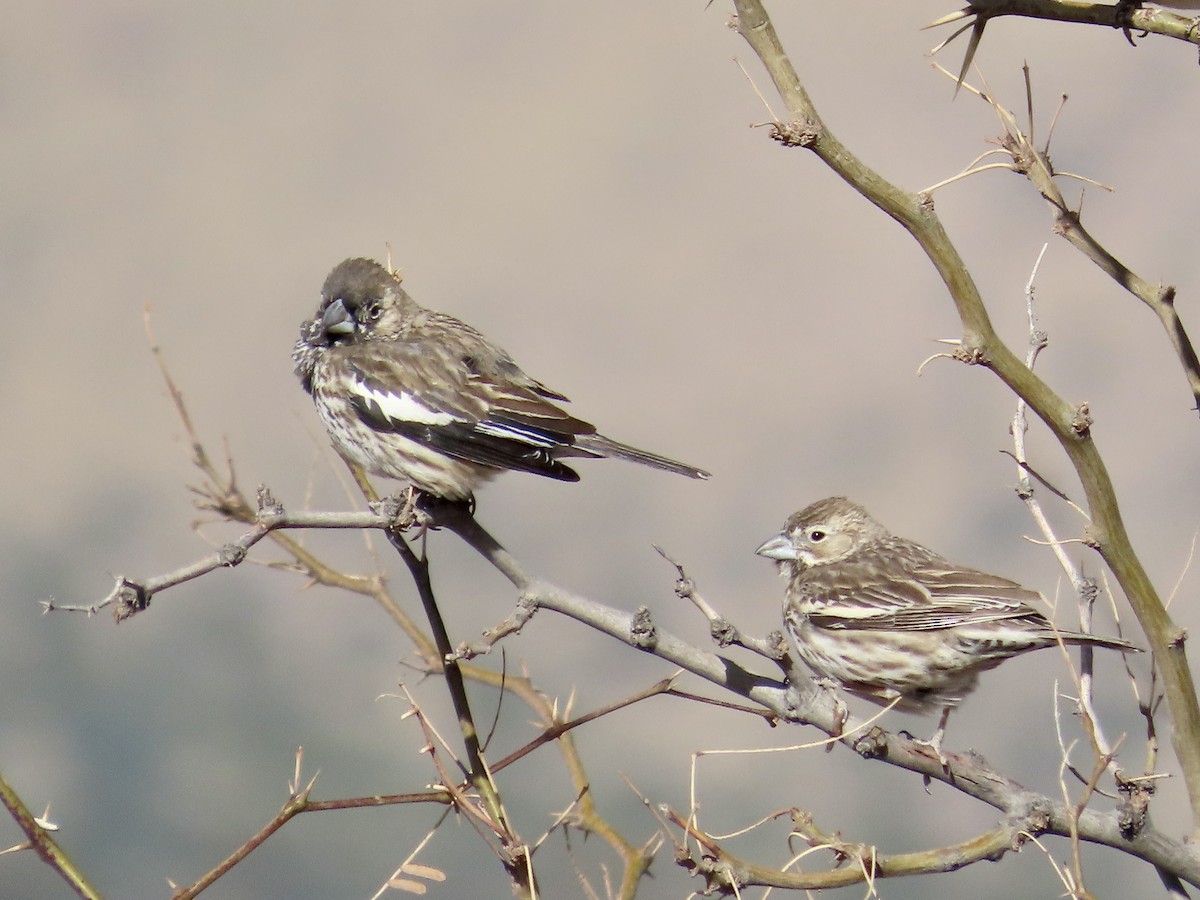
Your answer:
<point x="395" y="456"/>
<point x="924" y="670"/>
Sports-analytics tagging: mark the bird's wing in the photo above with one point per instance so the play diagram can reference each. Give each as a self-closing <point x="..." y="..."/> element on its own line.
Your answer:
<point x="928" y="596"/>
<point x="451" y="402"/>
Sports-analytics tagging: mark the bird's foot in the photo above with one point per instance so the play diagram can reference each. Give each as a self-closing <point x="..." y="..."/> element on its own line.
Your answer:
<point x="415" y="508"/>
<point x="401" y="510"/>
<point x="934" y="744"/>
<point x="1126" y="8"/>
<point x="1124" y="18"/>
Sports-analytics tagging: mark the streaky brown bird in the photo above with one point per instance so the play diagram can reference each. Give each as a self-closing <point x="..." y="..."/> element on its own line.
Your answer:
<point x="891" y="621"/>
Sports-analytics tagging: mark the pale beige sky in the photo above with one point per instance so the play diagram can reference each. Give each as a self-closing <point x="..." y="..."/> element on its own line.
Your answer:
<point x="584" y="184"/>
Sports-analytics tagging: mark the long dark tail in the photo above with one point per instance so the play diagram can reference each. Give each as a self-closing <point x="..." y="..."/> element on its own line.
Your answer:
<point x="603" y="446"/>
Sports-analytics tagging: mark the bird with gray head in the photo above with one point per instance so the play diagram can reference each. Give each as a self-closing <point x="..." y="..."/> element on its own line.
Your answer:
<point x="410" y="393"/>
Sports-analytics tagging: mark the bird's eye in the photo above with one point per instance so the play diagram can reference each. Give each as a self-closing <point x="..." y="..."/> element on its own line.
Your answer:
<point x="372" y="312"/>
<point x="816" y="535"/>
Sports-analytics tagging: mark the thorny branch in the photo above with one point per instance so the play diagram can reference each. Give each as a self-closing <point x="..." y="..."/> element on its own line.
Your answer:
<point x="1085" y="589"/>
<point x="980" y="345"/>
<point x="512" y="851"/>
<point x="966" y="772"/>
<point x="771" y="698"/>
<point x="724" y="632"/>
<point x="220" y="493"/>
<point x="1032" y="812"/>
<point x="39" y="838"/>
<point x="130" y="596"/>
<point x="1035" y="164"/>
<point x="1135" y="792"/>
<point x="448" y="792"/>
<point x="1127" y="17"/>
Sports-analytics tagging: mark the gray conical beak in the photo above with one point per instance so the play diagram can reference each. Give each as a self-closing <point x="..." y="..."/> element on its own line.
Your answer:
<point x="778" y="547"/>
<point x="337" y="320"/>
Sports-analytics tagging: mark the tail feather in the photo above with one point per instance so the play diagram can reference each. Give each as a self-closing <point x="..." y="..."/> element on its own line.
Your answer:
<point x="1074" y="637"/>
<point x="600" y="445"/>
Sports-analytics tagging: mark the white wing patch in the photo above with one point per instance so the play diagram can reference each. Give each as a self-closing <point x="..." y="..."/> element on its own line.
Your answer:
<point x="403" y="407"/>
<point x="512" y="432"/>
<point x="842" y="610"/>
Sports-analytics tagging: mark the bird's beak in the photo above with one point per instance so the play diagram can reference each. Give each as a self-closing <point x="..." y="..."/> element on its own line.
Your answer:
<point x="778" y="547"/>
<point x="337" y="320"/>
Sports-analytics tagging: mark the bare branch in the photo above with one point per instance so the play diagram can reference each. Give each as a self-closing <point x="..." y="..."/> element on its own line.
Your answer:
<point x="1123" y="16"/>
<point x="515" y="855"/>
<point x="38" y="838"/>
<point x="132" y="596"/>
<point x="1070" y="424"/>
<point x="295" y="804"/>
<point x="1036" y="166"/>
<point x="724" y="632"/>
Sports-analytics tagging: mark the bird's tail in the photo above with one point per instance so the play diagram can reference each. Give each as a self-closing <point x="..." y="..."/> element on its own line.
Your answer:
<point x="1074" y="637"/>
<point x="600" y="445"/>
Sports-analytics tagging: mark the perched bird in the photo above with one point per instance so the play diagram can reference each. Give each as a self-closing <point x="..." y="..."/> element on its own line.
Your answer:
<point x="890" y="620"/>
<point x="415" y="394"/>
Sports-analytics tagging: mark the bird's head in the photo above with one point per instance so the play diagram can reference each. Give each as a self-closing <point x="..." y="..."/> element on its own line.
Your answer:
<point x="360" y="301"/>
<point x="826" y="532"/>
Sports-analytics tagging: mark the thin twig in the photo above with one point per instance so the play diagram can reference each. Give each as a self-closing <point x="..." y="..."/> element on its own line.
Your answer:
<point x="516" y="861"/>
<point x="724" y="632"/>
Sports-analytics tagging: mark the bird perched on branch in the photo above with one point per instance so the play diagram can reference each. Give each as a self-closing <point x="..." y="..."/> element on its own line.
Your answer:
<point x="415" y="394"/>
<point x="891" y="621"/>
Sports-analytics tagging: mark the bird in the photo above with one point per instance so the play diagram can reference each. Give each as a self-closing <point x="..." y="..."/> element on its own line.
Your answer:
<point x="410" y="393"/>
<point x="891" y="621"/>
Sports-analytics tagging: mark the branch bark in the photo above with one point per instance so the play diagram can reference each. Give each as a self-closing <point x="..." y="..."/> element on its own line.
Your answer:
<point x="981" y="346"/>
<point x="967" y="773"/>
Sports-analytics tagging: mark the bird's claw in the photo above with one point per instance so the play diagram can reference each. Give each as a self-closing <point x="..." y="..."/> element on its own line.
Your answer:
<point x="934" y="744"/>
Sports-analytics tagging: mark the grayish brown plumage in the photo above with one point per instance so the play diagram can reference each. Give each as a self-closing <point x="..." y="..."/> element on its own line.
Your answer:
<point x="890" y="620"/>
<point x="415" y="394"/>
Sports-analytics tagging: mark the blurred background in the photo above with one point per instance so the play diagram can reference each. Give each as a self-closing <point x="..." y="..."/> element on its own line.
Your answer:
<point x="585" y="184"/>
